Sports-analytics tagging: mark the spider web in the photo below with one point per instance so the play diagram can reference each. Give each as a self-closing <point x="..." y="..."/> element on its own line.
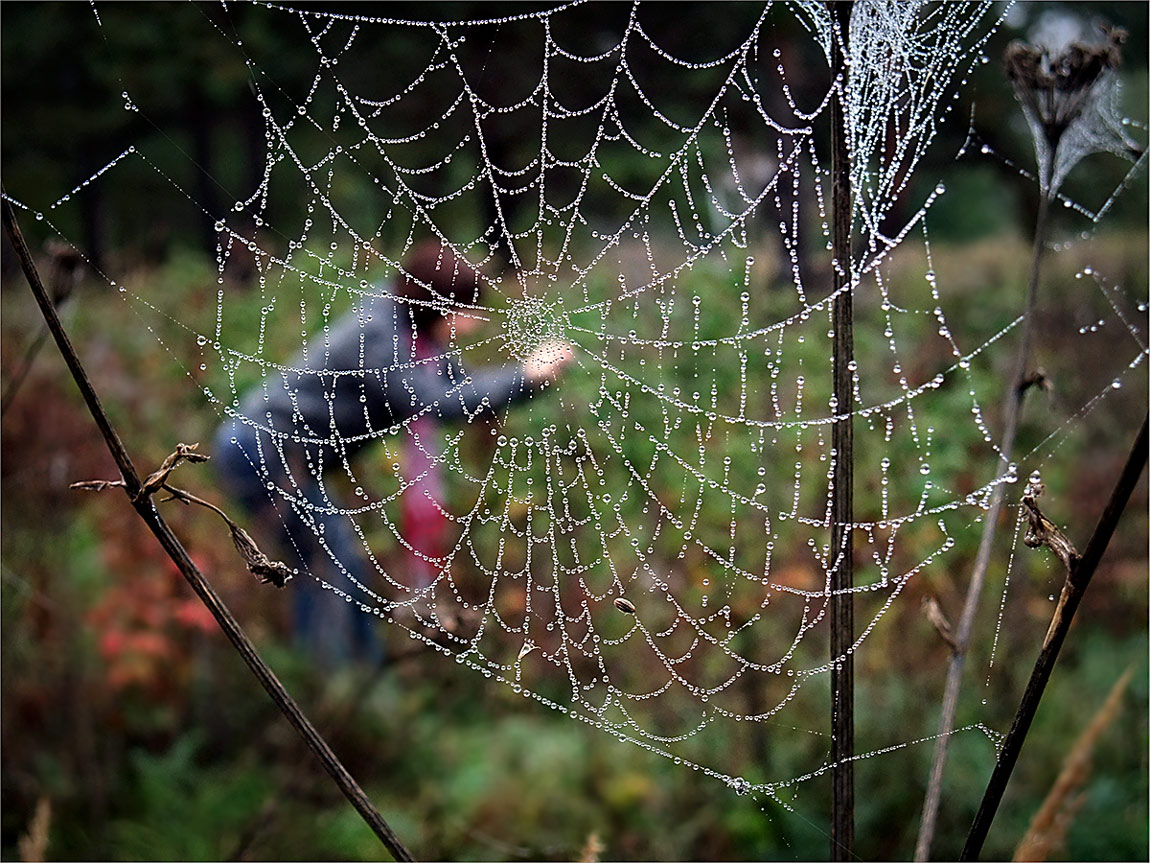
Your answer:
<point x="643" y="544"/>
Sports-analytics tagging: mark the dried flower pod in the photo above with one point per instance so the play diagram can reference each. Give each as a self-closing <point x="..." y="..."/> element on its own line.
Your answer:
<point x="1068" y="97"/>
<point x="624" y="605"/>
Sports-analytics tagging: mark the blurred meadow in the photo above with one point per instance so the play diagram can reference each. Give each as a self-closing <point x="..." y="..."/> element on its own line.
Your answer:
<point x="131" y="730"/>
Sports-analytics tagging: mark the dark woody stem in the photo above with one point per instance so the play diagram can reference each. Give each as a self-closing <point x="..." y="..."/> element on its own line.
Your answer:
<point x="143" y="505"/>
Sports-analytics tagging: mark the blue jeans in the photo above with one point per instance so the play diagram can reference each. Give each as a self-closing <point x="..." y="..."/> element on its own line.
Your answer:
<point x="317" y="541"/>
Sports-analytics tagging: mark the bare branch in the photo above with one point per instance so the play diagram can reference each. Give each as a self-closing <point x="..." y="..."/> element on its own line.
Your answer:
<point x="1011" y="412"/>
<point x="179" y="555"/>
<point x="1077" y="580"/>
<point x="842" y="443"/>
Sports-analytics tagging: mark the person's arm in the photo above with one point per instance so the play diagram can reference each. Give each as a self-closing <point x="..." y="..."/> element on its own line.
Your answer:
<point x="452" y="393"/>
<point x="457" y="394"/>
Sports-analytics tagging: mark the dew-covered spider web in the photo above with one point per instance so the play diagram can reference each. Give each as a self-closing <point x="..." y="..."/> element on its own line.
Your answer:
<point x="643" y="541"/>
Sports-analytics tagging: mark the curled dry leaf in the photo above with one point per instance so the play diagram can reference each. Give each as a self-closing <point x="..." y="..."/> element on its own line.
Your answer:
<point x="1042" y="531"/>
<point x="268" y="571"/>
<point x="156" y="480"/>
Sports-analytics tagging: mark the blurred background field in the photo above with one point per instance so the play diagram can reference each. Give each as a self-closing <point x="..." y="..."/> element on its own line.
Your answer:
<point x="132" y="731"/>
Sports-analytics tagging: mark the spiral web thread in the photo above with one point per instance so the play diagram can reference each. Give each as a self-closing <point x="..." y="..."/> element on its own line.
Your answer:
<point x="683" y="466"/>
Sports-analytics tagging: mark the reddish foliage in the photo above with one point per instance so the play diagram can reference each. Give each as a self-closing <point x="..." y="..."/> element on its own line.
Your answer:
<point x="146" y="620"/>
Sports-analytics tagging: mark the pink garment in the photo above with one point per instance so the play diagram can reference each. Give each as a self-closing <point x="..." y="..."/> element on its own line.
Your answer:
<point x="423" y="522"/>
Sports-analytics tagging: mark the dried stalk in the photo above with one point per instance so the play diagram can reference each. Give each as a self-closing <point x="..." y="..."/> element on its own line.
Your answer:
<point x="65" y="269"/>
<point x="33" y="845"/>
<point x="1056" y="94"/>
<point x="1047" y="830"/>
<point x="1079" y="572"/>
<point x="143" y="505"/>
<point x="1020" y="383"/>
<point x="842" y="442"/>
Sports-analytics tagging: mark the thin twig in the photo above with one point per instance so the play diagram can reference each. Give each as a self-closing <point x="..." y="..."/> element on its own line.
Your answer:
<point x="1078" y="578"/>
<point x="66" y="260"/>
<point x="155" y="522"/>
<point x="1020" y="383"/>
<point x="842" y="443"/>
<point x="938" y="620"/>
<point x="268" y="571"/>
<point x="21" y="373"/>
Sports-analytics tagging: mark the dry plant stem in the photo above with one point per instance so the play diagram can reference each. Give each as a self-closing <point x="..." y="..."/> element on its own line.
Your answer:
<point x="1077" y="580"/>
<point x="147" y="512"/>
<point x="1011" y="411"/>
<point x="62" y="286"/>
<point x="842" y="502"/>
<point x="21" y="373"/>
<point x="1046" y="834"/>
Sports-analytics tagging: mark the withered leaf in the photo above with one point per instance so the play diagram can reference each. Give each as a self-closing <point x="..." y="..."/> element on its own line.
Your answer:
<point x="156" y="480"/>
<point x="259" y="564"/>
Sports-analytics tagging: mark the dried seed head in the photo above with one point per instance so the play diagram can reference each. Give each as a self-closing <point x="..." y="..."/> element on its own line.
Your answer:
<point x="1068" y="98"/>
<point x="625" y="605"/>
<point x="1056" y="87"/>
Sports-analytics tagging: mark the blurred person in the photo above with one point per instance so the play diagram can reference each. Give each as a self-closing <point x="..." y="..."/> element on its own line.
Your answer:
<point x="385" y="362"/>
